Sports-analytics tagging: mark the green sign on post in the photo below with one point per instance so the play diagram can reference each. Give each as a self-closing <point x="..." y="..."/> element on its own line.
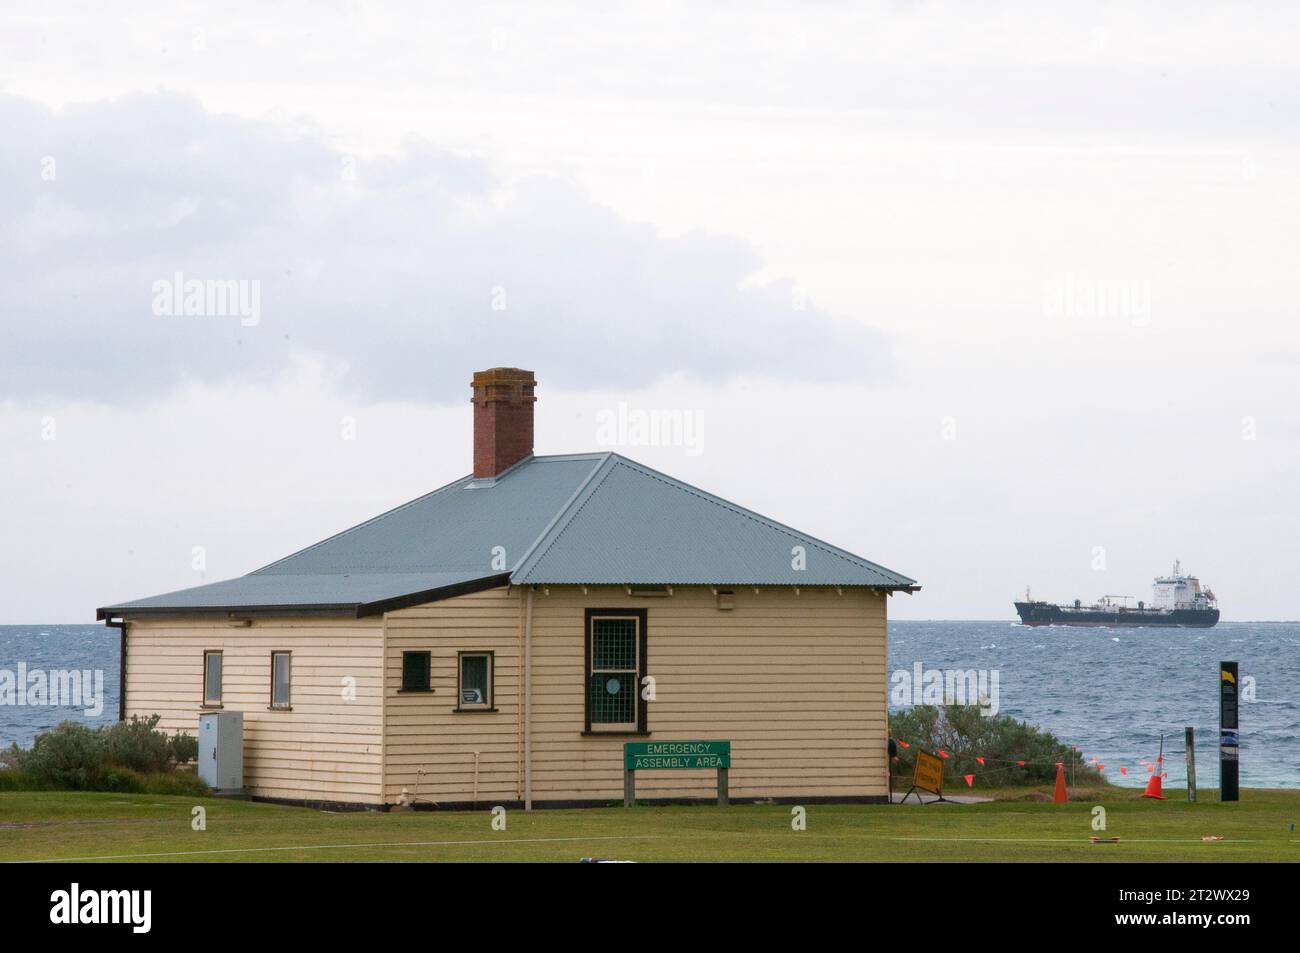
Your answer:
<point x="656" y="755"/>
<point x="642" y="755"/>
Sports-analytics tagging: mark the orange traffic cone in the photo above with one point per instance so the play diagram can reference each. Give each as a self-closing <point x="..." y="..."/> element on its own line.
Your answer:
<point x="1060" y="796"/>
<point x="1153" y="789"/>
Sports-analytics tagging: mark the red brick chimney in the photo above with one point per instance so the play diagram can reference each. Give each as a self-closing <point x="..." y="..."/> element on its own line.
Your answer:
<point x="503" y="419"/>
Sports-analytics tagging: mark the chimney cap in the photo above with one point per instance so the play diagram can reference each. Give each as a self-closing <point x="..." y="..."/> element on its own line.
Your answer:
<point x="503" y="375"/>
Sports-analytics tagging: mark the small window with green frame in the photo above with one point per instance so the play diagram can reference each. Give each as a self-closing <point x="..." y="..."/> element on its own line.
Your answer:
<point x="415" y="672"/>
<point x="616" y="664"/>
<point x="475" y="681"/>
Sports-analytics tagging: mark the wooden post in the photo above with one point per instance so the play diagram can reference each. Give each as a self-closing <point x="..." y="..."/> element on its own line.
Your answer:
<point x="629" y="787"/>
<point x="724" y="797"/>
<point x="1190" y="736"/>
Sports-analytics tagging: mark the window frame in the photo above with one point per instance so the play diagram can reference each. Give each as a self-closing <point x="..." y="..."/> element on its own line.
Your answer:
<point x="427" y="688"/>
<point x="207" y="702"/>
<point x="491" y="703"/>
<point x="288" y="682"/>
<point x="641" y="725"/>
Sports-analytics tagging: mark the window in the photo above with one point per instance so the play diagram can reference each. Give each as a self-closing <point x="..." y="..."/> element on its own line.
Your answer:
<point x="280" y="680"/>
<point x="474" y="692"/>
<point x="415" y="671"/>
<point x="616" y="650"/>
<point x="212" y="679"/>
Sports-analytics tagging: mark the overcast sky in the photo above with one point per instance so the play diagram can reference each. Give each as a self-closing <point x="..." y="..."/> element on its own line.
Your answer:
<point x="994" y="296"/>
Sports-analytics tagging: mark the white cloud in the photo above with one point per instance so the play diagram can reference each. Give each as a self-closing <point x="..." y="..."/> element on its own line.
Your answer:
<point x="410" y="269"/>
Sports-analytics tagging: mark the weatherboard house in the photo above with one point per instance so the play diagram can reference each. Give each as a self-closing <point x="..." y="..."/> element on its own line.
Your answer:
<point x="500" y="639"/>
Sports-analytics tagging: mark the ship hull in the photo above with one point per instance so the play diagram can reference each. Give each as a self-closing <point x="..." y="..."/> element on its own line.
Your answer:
<point x="1042" y="613"/>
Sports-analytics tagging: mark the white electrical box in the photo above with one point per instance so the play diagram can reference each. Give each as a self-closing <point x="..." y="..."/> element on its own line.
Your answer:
<point x="221" y="750"/>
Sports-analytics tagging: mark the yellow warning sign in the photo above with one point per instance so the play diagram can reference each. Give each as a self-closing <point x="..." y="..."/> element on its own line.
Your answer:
<point x="929" y="773"/>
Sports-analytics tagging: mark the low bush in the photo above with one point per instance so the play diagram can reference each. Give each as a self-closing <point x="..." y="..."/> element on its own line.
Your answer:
<point x="185" y="748"/>
<point x="69" y="757"/>
<point x="126" y="757"/>
<point x="965" y="734"/>
<point x="137" y="744"/>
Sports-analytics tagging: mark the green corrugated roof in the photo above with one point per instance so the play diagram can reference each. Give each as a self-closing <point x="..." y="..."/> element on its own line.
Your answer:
<point x="584" y="519"/>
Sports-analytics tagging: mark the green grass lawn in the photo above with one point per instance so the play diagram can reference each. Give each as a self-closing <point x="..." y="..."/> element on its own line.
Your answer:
<point x="57" y="825"/>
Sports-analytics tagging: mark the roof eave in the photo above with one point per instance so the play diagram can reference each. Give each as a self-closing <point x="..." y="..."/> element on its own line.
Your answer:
<point x="340" y="609"/>
<point x="349" y="610"/>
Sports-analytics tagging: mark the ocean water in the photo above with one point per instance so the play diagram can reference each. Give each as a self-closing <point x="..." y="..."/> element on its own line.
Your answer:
<point x="1111" y="692"/>
<point x="53" y="648"/>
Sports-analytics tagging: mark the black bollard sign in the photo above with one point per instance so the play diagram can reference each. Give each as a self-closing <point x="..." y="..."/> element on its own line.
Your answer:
<point x="1229" y="741"/>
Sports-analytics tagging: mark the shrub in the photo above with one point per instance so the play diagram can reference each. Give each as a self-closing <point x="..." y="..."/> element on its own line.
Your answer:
<point x="11" y="757"/>
<point x="69" y="757"/>
<point x="129" y="757"/>
<point x="964" y="733"/>
<point x="137" y="744"/>
<point x="184" y="748"/>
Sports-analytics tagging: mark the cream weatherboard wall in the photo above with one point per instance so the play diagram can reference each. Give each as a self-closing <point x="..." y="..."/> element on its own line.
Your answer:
<point x="327" y="748"/>
<point x="796" y="681"/>
<point x="430" y="744"/>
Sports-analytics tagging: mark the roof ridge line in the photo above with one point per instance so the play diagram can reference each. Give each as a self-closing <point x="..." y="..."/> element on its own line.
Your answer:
<point x="344" y="532"/>
<point x="560" y="514"/>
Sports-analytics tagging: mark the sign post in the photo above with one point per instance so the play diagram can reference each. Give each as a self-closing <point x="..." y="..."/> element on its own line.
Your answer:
<point x="656" y="755"/>
<point x="928" y="776"/>
<point x="1229" y="738"/>
<point x="1189" y="736"/>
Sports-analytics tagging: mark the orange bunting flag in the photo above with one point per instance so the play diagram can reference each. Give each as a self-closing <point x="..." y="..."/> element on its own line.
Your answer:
<point x="1021" y="763"/>
<point x="970" y="780"/>
<point x="1123" y="770"/>
<point x="942" y="753"/>
<point x="979" y="759"/>
<point x="1164" y="775"/>
<point x="905" y="744"/>
<point x="1101" y="767"/>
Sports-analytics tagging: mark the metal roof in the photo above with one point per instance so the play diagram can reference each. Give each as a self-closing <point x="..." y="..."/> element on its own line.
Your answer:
<point x="456" y="528"/>
<point x="581" y="518"/>
<point x="634" y="525"/>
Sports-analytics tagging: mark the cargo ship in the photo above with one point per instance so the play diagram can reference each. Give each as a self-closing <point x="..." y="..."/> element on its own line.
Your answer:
<point x="1177" y="601"/>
